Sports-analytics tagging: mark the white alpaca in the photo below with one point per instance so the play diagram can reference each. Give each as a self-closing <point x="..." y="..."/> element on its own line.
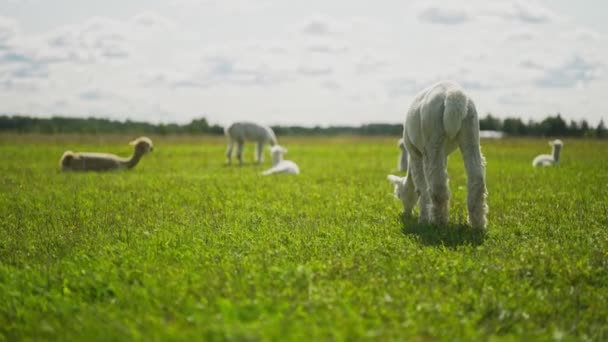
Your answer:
<point x="553" y="158"/>
<point x="441" y="118"/>
<point x="402" y="156"/>
<point x="92" y="161"/>
<point x="239" y="132"/>
<point x="279" y="165"/>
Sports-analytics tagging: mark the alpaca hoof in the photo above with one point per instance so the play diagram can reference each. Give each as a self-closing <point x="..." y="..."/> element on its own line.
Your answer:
<point x="479" y="226"/>
<point x="406" y="214"/>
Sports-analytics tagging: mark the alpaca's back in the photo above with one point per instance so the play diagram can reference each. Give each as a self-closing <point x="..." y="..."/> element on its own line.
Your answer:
<point x="437" y="110"/>
<point x="242" y="131"/>
<point x="284" y="166"/>
<point x="91" y="161"/>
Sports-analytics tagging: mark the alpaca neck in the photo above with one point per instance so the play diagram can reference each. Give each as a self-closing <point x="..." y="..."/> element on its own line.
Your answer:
<point x="556" y="153"/>
<point x="276" y="159"/>
<point x="133" y="160"/>
<point x="403" y="157"/>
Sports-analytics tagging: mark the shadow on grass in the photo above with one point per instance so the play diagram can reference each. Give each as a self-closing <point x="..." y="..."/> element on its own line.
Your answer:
<point x="451" y="235"/>
<point x="245" y="164"/>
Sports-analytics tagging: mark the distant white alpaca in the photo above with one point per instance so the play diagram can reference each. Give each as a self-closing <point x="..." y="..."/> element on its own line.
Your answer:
<point x="91" y="161"/>
<point x="239" y="132"/>
<point x="402" y="156"/>
<point x="546" y="159"/>
<point x="441" y="118"/>
<point x="279" y="165"/>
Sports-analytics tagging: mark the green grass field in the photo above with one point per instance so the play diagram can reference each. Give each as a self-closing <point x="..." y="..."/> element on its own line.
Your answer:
<point x="183" y="247"/>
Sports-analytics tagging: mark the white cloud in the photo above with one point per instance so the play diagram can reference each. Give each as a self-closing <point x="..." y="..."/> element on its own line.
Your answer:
<point x="323" y="66"/>
<point x="8" y="30"/>
<point x="460" y="12"/>
<point x="318" y="26"/>
<point x="441" y="14"/>
<point x="522" y="11"/>
<point x="314" y="71"/>
<point x="576" y="71"/>
<point x="521" y="35"/>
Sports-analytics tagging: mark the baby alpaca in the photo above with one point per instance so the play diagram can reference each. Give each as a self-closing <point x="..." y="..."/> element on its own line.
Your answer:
<point x="279" y="165"/>
<point x="238" y="132"/>
<point x="91" y="161"/>
<point x="548" y="160"/>
<point x="441" y="118"/>
<point x="402" y="156"/>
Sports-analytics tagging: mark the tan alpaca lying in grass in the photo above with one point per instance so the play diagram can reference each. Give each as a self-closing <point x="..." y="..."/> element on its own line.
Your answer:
<point x="92" y="161"/>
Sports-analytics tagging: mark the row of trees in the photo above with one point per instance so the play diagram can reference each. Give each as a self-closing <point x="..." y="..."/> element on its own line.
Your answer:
<point x="550" y="126"/>
<point x="25" y="124"/>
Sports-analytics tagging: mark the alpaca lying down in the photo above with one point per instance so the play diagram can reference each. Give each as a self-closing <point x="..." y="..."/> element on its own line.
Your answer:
<point x="280" y="165"/>
<point x="549" y="159"/>
<point x="441" y="119"/>
<point x="93" y="161"/>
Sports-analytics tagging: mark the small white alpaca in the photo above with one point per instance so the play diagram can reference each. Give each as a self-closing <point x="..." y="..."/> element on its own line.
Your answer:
<point x="402" y="156"/>
<point x="553" y="158"/>
<point x="92" y="161"/>
<point x="279" y="165"/>
<point x="239" y="132"/>
<point x="441" y="118"/>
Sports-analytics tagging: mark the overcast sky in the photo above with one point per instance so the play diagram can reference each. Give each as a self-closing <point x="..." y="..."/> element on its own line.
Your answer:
<point x="299" y="62"/>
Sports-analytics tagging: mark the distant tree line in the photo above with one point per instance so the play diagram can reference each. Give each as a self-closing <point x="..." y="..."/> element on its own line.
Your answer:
<point x="550" y="126"/>
<point x="57" y="124"/>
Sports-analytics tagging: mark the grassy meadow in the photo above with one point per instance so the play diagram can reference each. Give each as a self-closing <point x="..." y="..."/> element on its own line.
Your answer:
<point x="183" y="247"/>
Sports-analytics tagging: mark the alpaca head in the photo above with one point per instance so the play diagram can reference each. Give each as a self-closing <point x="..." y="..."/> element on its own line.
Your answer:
<point x="66" y="159"/>
<point x="401" y="144"/>
<point x="143" y="145"/>
<point x="557" y="148"/>
<point x="277" y="153"/>
<point x="399" y="183"/>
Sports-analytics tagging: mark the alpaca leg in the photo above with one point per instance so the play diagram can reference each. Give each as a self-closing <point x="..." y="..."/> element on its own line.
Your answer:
<point x="410" y="197"/>
<point x="403" y="160"/>
<point x="416" y="172"/>
<point x="435" y="170"/>
<point x="474" y="164"/>
<point x="229" y="152"/>
<point x="476" y="185"/>
<point x="239" y="151"/>
<point x="259" y="155"/>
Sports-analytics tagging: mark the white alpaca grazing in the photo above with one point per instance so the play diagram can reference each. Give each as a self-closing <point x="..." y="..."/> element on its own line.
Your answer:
<point x="441" y="118"/>
<point x="239" y="132"/>
<point x="553" y="158"/>
<point x="279" y="165"/>
<point x="402" y="156"/>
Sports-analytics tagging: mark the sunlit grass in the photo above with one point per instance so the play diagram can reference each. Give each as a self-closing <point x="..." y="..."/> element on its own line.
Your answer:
<point x="184" y="247"/>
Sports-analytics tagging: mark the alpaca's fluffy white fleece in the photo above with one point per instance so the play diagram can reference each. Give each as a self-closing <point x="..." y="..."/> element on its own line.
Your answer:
<point x="280" y="165"/>
<point x="239" y="132"/>
<point x="440" y="119"/>
<point x="549" y="159"/>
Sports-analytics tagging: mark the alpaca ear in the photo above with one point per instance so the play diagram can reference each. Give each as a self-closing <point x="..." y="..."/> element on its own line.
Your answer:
<point x="395" y="179"/>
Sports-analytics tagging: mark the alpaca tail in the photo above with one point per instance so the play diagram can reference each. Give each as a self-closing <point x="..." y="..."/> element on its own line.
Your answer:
<point x="456" y="103"/>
